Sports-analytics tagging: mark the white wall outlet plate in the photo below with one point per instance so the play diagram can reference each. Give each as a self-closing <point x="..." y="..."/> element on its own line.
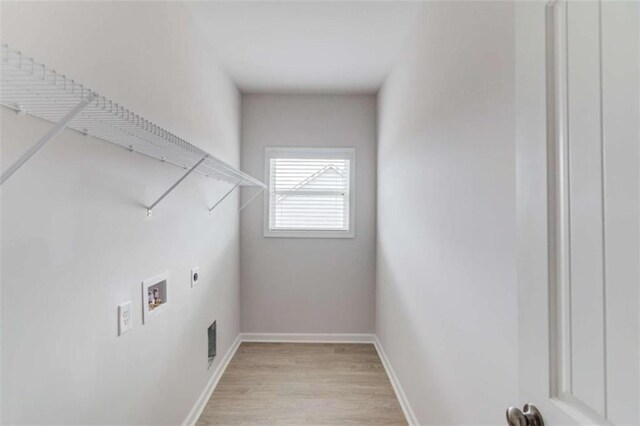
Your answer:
<point x="124" y="318"/>
<point x="195" y="276"/>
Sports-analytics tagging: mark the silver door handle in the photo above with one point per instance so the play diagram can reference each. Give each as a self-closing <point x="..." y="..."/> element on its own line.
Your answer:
<point x="528" y="416"/>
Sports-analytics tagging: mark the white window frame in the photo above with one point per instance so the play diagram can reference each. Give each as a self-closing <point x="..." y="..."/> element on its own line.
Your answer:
<point x="296" y="152"/>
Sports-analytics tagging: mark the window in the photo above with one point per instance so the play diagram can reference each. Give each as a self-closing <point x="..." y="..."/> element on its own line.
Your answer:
<point x="310" y="192"/>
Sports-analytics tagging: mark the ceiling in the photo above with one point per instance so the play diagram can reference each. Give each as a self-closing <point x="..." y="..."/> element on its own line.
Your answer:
<point x="302" y="46"/>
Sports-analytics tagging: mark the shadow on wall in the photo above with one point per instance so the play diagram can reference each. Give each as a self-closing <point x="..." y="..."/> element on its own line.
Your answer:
<point x="401" y="356"/>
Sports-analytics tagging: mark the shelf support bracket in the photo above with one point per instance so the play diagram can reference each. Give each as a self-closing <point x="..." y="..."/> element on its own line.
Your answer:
<point x="251" y="199"/>
<point x="53" y="132"/>
<point x="226" y="195"/>
<point x="178" y="182"/>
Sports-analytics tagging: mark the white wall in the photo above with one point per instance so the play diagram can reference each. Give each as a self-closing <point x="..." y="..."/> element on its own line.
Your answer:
<point x="446" y="275"/>
<point x="301" y="285"/>
<point x="76" y="241"/>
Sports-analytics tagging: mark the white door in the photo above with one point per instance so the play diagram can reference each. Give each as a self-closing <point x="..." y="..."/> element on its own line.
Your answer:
<point x="577" y="134"/>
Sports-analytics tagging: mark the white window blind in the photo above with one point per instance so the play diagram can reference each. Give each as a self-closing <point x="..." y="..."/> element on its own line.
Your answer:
<point x="309" y="190"/>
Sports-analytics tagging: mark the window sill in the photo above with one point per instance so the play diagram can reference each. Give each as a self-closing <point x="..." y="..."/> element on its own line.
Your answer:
<point x="308" y="234"/>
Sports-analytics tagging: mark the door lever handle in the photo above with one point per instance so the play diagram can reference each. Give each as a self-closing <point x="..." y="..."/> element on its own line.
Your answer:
<point x="528" y="416"/>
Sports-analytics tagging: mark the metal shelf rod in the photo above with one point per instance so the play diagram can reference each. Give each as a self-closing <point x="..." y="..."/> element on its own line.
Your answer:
<point x="225" y="195"/>
<point x="53" y="132"/>
<point x="251" y="199"/>
<point x="150" y="208"/>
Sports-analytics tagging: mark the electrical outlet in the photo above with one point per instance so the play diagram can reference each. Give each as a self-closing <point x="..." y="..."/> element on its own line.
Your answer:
<point x="195" y="276"/>
<point x="124" y="318"/>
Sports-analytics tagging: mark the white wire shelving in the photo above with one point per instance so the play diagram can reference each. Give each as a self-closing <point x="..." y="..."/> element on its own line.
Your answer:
<point x="32" y="88"/>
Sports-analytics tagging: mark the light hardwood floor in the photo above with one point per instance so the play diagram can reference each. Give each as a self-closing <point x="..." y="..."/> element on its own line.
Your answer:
<point x="304" y="383"/>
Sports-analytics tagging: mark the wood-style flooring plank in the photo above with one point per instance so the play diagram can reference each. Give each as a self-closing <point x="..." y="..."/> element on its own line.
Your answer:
<point x="304" y="383"/>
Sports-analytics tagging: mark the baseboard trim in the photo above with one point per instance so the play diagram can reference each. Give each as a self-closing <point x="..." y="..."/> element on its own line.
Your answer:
<point x="308" y="337"/>
<point x="197" y="409"/>
<point x="402" y="398"/>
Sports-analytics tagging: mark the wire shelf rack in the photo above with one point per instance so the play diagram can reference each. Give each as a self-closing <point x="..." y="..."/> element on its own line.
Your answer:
<point x="32" y="88"/>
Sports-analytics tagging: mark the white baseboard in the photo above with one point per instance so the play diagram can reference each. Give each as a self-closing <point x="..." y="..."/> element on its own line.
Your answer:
<point x="195" y="412"/>
<point x="308" y="337"/>
<point x="402" y="398"/>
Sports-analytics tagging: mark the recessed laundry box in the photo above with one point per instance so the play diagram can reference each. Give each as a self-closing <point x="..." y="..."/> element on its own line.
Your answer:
<point x="154" y="296"/>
